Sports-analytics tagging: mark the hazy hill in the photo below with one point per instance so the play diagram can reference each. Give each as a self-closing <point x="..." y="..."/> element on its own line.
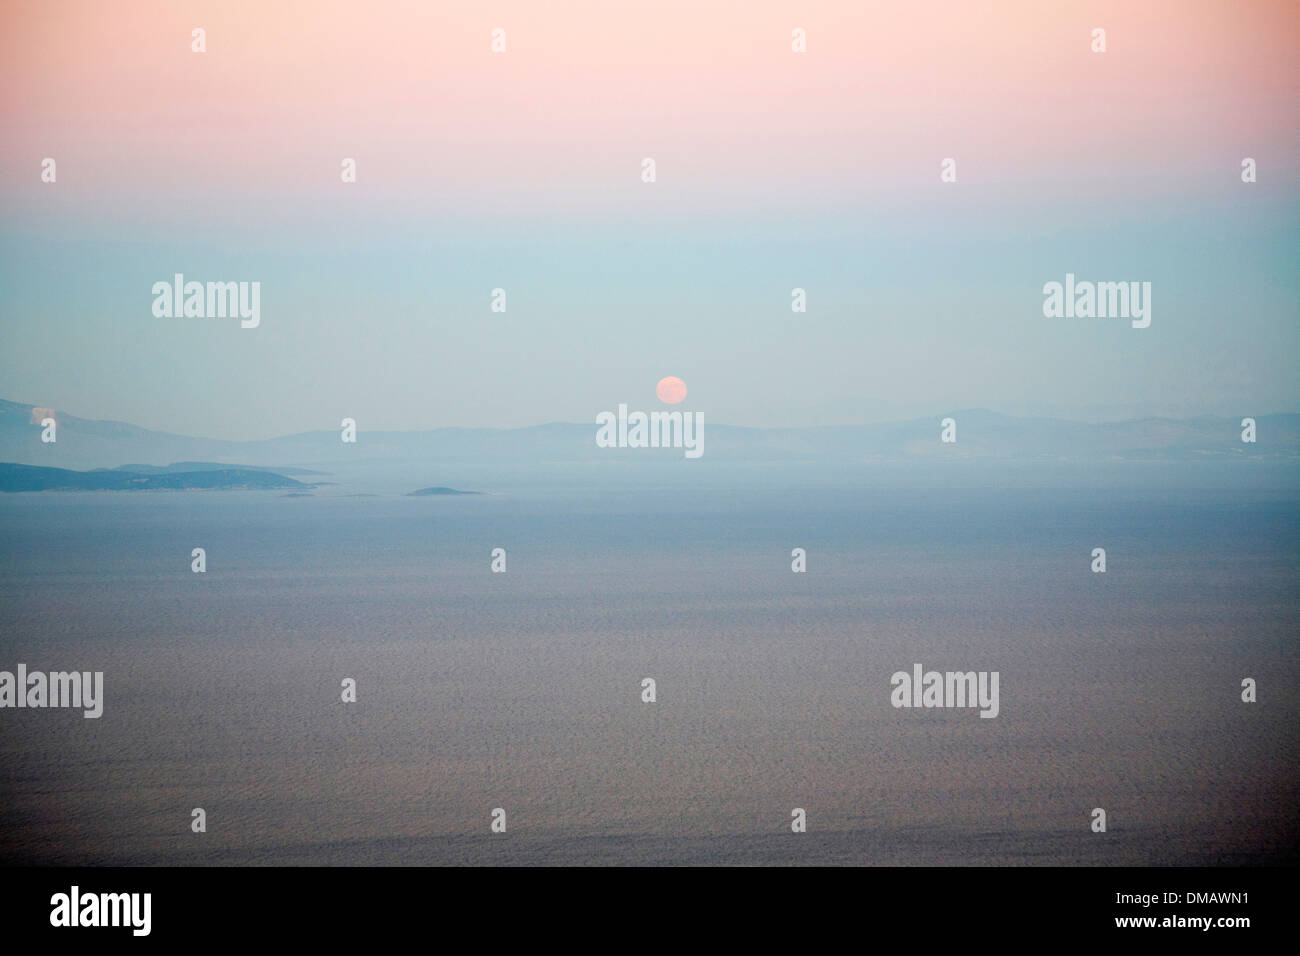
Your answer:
<point x="211" y="466"/>
<point x="15" y="478"/>
<point x="86" y="443"/>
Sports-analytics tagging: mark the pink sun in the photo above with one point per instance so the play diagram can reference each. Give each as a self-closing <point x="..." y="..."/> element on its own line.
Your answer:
<point x="671" y="390"/>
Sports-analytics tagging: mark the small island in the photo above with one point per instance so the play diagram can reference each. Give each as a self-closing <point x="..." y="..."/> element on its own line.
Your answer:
<point x="440" y="491"/>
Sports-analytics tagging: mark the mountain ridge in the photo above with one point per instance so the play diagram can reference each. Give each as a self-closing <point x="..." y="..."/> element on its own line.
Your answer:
<point x="981" y="433"/>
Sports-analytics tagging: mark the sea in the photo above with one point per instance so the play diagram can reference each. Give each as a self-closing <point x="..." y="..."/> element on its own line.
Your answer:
<point x="518" y="696"/>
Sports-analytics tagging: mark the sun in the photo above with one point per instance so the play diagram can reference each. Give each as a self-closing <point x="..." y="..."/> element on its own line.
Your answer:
<point x="671" y="390"/>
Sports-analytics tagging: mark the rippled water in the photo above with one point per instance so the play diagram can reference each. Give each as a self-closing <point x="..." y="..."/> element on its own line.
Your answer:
<point x="523" y="690"/>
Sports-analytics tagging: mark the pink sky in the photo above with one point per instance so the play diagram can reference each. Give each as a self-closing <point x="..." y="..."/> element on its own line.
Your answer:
<point x="586" y="89"/>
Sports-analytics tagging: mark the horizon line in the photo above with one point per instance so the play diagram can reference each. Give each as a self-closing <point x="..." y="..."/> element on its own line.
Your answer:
<point x="760" y="428"/>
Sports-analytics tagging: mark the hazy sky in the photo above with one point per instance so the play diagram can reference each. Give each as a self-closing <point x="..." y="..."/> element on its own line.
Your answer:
<point x="522" y="170"/>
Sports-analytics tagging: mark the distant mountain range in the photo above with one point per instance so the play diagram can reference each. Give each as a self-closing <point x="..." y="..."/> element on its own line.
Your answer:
<point x="86" y="443"/>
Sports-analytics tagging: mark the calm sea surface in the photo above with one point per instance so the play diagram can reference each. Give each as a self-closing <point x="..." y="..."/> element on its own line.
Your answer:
<point x="523" y="690"/>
